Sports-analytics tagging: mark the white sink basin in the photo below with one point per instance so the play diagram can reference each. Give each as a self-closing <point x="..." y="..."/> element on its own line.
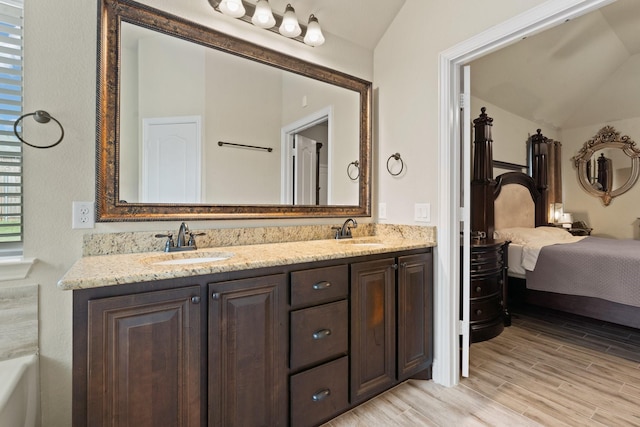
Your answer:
<point x="188" y="258"/>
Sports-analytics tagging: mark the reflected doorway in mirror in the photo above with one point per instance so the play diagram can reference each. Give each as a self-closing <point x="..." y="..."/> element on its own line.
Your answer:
<point x="170" y="166"/>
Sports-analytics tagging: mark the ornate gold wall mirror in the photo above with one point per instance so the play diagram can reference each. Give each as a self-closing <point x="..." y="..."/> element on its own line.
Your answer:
<point x="243" y="107"/>
<point x="608" y="164"/>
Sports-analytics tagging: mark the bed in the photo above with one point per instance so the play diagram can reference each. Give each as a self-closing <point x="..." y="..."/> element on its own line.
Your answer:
<point x="588" y="276"/>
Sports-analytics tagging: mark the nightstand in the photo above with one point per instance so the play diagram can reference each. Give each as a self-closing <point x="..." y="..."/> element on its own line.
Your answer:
<point x="488" y="305"/>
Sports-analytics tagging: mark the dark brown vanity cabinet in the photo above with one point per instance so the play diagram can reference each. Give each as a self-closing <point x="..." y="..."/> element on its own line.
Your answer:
<point x="488" y="303"/>
<point x="248" y="352"/>
<point x="293" y="345"/>
<point x="391" y="323"/>
<point x="143" y="359"/>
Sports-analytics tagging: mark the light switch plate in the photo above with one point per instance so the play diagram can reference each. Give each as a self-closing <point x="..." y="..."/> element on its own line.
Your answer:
<point x="382" y="211"/>
<point x="422" y="212"/>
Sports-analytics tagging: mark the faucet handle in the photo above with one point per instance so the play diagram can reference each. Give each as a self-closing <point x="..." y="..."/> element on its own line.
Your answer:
<point x="192" y="240"/>
<point x="169" y="243"/>
<point x="337" y="235"/>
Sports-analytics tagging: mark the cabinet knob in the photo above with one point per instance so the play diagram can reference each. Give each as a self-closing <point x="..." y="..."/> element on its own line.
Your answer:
<point x="478" y="312"/>
<point x="195" y="299"/>
<point x="321" y="395"/>
<point x="215" y="295"/>
<point x="322" y="333"/>
<point x="321" y="285"/>
<point x="478" y="288"/>
<point x="394" y="266"/>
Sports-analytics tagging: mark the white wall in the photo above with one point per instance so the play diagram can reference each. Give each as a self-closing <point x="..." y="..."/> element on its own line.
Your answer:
<point x="60" y="78"/>
<point x="406" y="91"/>
<point x="618" y="220"/>
<point x="242" y="99"/>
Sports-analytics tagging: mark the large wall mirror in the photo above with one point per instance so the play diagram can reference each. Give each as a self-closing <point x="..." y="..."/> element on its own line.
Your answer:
<point x="608" y="165"/>
<point x="196" y="124"/>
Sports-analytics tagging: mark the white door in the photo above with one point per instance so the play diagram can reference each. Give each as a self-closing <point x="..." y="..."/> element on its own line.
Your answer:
<point x="171" y="160"/>
<point x="465" y="217"/>
<point x="305" y="164"/>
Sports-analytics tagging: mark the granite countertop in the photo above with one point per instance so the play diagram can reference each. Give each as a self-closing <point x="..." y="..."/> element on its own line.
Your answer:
<point x="108" y="270"/>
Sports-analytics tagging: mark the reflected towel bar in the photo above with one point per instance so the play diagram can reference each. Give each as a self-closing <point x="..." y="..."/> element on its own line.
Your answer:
<point x="221" y="143"/>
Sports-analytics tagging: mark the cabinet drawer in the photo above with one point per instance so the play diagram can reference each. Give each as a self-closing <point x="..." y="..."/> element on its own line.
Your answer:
<point x="486" y="309"/>
<point x="487" y="286"/>
<point x="319" y="393"/>
<point x="319" y="333"/>
<point x="318" y="285"/>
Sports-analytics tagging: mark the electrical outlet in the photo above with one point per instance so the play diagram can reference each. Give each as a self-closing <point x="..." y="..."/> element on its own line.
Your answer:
<point x="82" y="215"/>
<point x="382" y="211"/>
<point x="422" y="212"/>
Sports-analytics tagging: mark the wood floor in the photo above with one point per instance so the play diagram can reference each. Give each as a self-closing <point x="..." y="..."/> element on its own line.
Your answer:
<point x="546" y="369"/>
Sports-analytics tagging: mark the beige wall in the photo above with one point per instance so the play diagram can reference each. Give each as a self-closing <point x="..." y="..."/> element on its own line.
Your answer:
<point x="60" y="78"/>
<point x="618" y="220"/>
<point x="406" y="87"/>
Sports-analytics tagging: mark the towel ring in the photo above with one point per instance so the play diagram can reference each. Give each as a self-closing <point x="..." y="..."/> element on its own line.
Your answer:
<point x="39" y="116"/>
<point x="357" y="166"/>
<point x="397" y="157"/>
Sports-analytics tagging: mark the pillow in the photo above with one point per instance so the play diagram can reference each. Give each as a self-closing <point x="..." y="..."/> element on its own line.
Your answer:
<point x="523" y="235"/>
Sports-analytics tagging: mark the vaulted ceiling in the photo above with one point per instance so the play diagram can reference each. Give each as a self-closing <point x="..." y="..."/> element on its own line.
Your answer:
<point x="582" y="72"/>
<point x="362" y="22"/>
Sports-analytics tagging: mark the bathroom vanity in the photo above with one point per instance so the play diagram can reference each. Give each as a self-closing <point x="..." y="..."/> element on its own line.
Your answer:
<point x="275" y="334"/>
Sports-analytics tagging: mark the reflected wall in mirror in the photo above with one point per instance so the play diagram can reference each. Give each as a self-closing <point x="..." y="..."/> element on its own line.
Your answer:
<point x="608" y="164"/>
<point x="197" y="124"/>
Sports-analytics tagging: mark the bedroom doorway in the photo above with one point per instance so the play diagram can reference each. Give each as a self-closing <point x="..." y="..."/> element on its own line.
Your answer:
<point x="452" y="211"/>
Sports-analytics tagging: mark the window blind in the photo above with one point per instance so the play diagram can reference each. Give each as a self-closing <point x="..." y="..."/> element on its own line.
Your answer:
<point x="11" y="80"/>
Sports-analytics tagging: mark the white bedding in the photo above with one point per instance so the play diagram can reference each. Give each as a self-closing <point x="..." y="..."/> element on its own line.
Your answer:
<point x="515" y="261"/>
<point x="527" y="243"/>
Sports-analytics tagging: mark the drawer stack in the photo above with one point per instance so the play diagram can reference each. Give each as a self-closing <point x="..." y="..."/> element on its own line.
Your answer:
<point x="319" y="345"/>
<point x="488" y="313"/>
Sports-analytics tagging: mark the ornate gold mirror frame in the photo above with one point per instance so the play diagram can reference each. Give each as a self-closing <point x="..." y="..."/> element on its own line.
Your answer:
<point x="109" y="206"/>
<point x="607" y="137"/>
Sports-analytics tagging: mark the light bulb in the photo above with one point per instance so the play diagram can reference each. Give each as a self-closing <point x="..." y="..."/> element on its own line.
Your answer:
<point x="263" y="17"/>
<point x="314" y="36"/>
<point x="233" y="8"/>
<point x="290" y="26"/>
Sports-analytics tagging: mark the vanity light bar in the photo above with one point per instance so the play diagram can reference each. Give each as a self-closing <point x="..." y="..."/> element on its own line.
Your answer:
<point x="250" y="11"/>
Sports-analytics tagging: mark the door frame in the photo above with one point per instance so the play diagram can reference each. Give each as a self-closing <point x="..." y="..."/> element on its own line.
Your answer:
<point x="286" y="137"/>
<point x="446" y="366"/>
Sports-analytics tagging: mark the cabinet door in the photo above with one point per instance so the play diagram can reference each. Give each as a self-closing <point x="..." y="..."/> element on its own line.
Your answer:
<point x="415" y="314"/>
<point x="144" y="359"/>
<point x="248" y="352"/>
<point x="372" y="328"/>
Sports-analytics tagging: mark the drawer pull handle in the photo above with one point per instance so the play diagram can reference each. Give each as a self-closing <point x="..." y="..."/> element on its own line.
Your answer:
<point x="321" y="285"/>
<point x="321" y="395"/>
<point x="322" y="333"/>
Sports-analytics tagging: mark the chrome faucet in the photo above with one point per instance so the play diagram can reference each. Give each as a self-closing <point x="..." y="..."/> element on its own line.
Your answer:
<point x="182" y="232"/>
<point x="182" y="243"/>
<point x="344" y="232"/>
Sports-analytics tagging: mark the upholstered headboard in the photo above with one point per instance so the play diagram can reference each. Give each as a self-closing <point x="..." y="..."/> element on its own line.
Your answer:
<point x="517" y="202"/>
